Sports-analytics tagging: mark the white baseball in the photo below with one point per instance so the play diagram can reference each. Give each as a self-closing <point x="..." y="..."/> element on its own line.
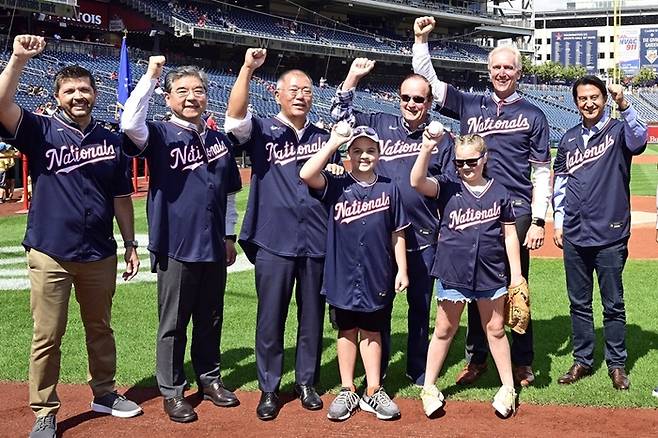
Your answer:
<point x="343" y="129"/>
<point x="435" y="128"/>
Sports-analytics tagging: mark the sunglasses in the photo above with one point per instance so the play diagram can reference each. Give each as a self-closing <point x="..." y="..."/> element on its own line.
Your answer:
<point x="416" y="99"/>
<point x="363" y="130"/>
<point x="472" y="162"/>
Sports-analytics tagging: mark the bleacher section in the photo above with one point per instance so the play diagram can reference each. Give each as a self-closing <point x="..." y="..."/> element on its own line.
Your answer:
<point x="244" y="21"/>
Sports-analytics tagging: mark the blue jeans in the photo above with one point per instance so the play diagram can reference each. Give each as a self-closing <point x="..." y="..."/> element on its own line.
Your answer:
<point x="608" y="262"/>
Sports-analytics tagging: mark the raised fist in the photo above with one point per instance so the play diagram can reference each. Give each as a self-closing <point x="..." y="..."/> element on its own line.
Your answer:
<point x="254" y="58"/>
<point x="423" y="26"/>
<point x="28" y="46"/>
<point x="617" y="94"/>
<point x="156" y="64"/>
<point x="361" y="67"/>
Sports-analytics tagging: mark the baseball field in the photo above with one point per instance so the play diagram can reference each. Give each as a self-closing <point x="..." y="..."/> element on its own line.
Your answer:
<point x="589" y="408"/>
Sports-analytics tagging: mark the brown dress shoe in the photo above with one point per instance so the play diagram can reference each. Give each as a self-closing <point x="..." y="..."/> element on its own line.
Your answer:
<point x="523" y="375"/>
<point x="575" y="373"/>
<point x="619" y="378"/>
<point x="470" y="373"/>
<point x="179" y="409"/>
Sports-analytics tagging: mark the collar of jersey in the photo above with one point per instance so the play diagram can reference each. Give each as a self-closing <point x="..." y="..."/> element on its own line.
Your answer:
<point x="64" y="118"/>
<point x="510" y="99"/>
<point x="283" y="119"/>
<point x="188" y="125"/>
<point x="484" y="190"/>
<point x="405" y="125"/>
<point x="363" y="183"/>
<point x="599" y="125"/>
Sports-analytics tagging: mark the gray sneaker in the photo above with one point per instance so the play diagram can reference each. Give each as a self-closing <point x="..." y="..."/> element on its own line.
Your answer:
<point x="344" y="405"/>
<point x="44" y="427"/>
<point x="380" y="404"/>
<point x="115" y="405"/>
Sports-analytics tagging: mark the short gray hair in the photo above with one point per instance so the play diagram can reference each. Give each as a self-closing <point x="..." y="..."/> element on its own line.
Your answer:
<point x="512" y="49"/>
<point x="186" y="70"/>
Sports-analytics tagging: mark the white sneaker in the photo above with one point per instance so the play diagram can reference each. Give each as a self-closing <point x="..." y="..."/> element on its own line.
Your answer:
<point x="504" y="401"/>
<point x="432" y="398"/>
<point x="379" y="404"/>
<point x="655" y="392"/>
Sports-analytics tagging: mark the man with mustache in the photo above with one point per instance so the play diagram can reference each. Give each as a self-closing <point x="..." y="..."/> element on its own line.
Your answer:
<point x="81" y="181"/>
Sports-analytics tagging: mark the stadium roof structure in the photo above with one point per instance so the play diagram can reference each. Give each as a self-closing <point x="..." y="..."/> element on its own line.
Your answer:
<point x="62" y="8"/>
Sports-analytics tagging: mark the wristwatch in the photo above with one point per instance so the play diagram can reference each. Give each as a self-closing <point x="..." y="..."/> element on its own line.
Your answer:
<point x="231" y="237"/>
<point x="538" y="221"/>
<point x="130" y="244"/>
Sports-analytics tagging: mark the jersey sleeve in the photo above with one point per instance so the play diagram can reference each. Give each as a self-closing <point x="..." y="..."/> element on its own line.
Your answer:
<point x="332" y="190"/>
<point x="560" y="163"/>
<point x="507" y="215"/>
<point x="29" y="133"/>
<point x="123" y="185"/>
<point x="453" y="102"/>
<point x="441" y="163"/>
<point x="131" y="149"/>
<point x="233" y="179"/>
<point x="540" y="151"/>
<point x="399" y="217"/>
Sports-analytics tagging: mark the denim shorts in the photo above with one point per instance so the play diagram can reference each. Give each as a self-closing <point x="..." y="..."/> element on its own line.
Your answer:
<point x="465" y="295"/>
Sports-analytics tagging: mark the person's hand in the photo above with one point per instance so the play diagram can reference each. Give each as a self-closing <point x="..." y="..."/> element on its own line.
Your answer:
<point x="28" y="46"/>
<point x="334" y="169"/>
<point x="231" y="253"/>
<point x="617" y="94"/>
<point x="557" y="237"/>
<point x="534" y="238"/>
<point x="132" y="263"/>
<point x="155" y="67"/>
<point x="422" y="28"/>
<point x="254" y="58"/>
<point x="431" y="138"/>
<point x="341" y="133"/>
<point x="401" y="282"/>
<point x="361" y="67"/>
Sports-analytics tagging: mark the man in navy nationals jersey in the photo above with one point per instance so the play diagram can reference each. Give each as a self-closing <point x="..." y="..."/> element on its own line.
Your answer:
<point x="284" y="229"/>
<point x="400" y="138"/>
<point x="366" y="229"/>
<point x="592" y="220"/>
<point x="516" y="133"/>
<point x="193" y="172"/>
<point x="80" y="181"/>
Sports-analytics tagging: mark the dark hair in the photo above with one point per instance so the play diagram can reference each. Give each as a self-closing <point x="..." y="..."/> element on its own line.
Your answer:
<point x="589" y="80"/>
<point x="186" y="70"/>
<point x="73" y="72"/>
<point x="430" y="96"/>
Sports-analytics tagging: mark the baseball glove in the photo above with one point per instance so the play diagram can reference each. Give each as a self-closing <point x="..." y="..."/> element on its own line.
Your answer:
<point x="517" y="307"/>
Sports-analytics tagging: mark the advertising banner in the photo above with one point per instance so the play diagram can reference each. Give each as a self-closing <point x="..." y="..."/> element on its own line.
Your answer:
<point x="576" y="48"/>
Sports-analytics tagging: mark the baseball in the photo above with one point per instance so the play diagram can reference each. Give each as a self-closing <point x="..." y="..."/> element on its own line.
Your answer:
<point x="435" y="128"/>
<point x="343" y="129"/>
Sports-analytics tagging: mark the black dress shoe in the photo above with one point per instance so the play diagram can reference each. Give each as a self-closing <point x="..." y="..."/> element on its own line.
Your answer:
<point x="309" y="397"/>
<point x="268" y="406"/>
<point x="219" y="395"/>
<point x="179" y="410"/>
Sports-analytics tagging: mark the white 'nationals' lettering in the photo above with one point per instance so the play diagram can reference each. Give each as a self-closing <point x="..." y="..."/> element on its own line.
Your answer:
<point x="461" y="219"/>
<point x="346" y="212"/>
<point x="68" y="158"/>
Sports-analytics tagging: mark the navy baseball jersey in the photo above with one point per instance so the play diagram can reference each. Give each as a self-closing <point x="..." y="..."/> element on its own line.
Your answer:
<point x="471" y="249"/>
<point x="359" y="269"/>
<point x="597" y="198"/>
<point x="75" y="177"/>
<point x="516" y="133"/>
<point x="189" y="181"/>
<point x="399" y="148"/>
<point x="282" y="217"/>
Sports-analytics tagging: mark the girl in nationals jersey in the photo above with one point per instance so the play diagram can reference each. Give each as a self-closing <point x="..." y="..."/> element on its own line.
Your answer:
<point x="477" y="231"/>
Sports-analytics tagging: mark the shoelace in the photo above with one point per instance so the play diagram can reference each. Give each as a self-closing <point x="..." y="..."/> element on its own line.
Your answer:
<point x="43" y="423"/>
<point x="381" y="397"/>
<point x="347" y="398"/>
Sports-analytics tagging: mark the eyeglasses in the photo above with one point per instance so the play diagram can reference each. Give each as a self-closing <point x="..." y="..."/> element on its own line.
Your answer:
<point x="472" y="162"/>
<point x="306" y="91"/>
<point x="416" y="99"/>
<point x="184" y="92"/>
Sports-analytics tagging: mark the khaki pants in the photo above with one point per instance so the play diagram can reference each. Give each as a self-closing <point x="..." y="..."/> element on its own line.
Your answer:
<point x="51" y="282"/>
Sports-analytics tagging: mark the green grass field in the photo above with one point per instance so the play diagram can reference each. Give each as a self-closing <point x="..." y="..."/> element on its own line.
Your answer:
<point x="135" y="323"/>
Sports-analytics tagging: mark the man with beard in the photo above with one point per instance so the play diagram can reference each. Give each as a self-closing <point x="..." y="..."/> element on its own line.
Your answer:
<point x="81" y="180"/>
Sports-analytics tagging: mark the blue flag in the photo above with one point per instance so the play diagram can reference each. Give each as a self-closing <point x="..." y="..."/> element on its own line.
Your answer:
<point x="124" y="79"/>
